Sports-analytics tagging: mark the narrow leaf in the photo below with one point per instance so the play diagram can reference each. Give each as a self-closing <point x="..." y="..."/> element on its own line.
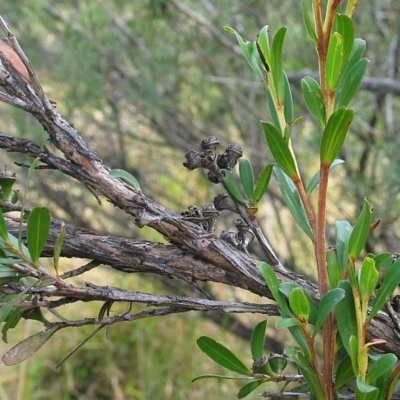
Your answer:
<point x="348" y="86"/>
<point x="263" y="45"/>
<point x="276" y="63"/>
<point x="327" y="304"/>
<point x="38" y="230"/>
<point x="346" y="316"/>
<point x="288" y="104"/>
<point x="262" y="183"/>
<point x="364" y="387"/>
<point x="58" y="247"/>
<point x="221" y="355"/>
<point x="215" y="376"/>
<point x="343" y="232"/>
<point x="334" y="269"/>
<point x="29" y="346"/>
<point x="334" y="60"/>
<point x="286" y="323"/>
<point x="232" y="188"/>
<point x="389" y="284"/>
<point x="258" y="340"/>
<point x="309" y="25"/>
<point x="360" y="232"/>
<point x="292" y="200"/>
<point x="3" y="227"/>
<point x="280" y="150"/>
<point x="299" y="303"/>
<point x="353" y="346"/>
<point x="381" y="366"/>
<point x="248" y="388"/>
<point x="314" y="99"/>
<point x="345" y="27"/>
<point x="344" y="372"/>
<point x="246" y="176"/>
<point x="314" y="181"/>
<point x="367" y="279"/>
<point x="334" y="134"/>
<point x="126" y="176"/>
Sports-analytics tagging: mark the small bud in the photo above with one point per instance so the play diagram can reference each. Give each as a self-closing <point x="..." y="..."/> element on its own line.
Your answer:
<point x="210" y="143"/>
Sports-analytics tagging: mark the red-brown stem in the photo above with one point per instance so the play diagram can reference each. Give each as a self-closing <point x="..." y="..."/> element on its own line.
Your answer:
<point x="306" y="202"/>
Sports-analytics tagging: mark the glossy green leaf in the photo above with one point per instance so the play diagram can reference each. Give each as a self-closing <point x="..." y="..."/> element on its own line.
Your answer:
<point x="273" y="112"/>
<point x="381" y="366"/>
<point x="248" y="388"/>
<point x="334" y="269"/>
<point x="360" y="232"/>
<point x="314" y="181"/>
<point x="327" y="304"/>
<point x="364" y="387"/>
<point x="353" y="347"/>
<point x="367" y="278"/>
<point x="126" y="176"/>
<point x="37" y="231"/>
<point x="263" y="44"/>
<point x="383" y="260"/>
<point x="249" y="51"/>
<point x="258" y="340"/>
<point x="3" y="227"/>
<point x="299" y="303"/>
<point x="262" y="183"/>
<point x="246" y="176"/>
<point x="276" y="63"/>
<point x="348" y="87"/>
<point x="231" y="186"/>
<point x="343" y="232"/>
<point x="346" y="316"/>
<point x="292" y="200"/>
<point x="284" y="323"/>
<point x="308" y="22"/>
<point x="334" y="134"/>
<point x="334" y="60"/>
<point x="6" y="191"/>
<point x="389" y="284"/>
<point x="280" y="150"/>
<point x="314" y="99"/>
<point x="221" y="355"/>
<point x="58" y="247"/>
<point x="356" y="55"/>
<point x="288" y="103"/>
<point x="345" y="27"/>
<point x="216" y="376"/>
<point x="273" y="285"/>
<point x="23" y="350"/>
<point x="344" y="372"/>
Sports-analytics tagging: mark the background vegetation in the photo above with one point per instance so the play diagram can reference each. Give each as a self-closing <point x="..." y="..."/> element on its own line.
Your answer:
<point x="145" y="81"/>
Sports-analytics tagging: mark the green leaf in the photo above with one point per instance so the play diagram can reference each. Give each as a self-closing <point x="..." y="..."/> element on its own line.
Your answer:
<point x="215" y="376"/>
<point x="3" y="227"/>
<point x="356" y="55"/>
<point x="344" y="372"/>
<point x="364" y="387"/>
<point x="334" y="134"/>
<point x="345" y="27"/>
<point x="8" y="304"/>
<point x="343" y="232"/>
<point x="360" y="232"/>
<point x="353" y="347"/>
<point x="250" y="52"/>
<point x="348" y="86"/>
<point x="280" y="150"/>
<point x="248" y="388"/>
<point x="6" y="183"/>
<point x="232" y="188"/>
<point x="258" y="340"/>
<point x="334" y="60"/>
<point x="327" y="304"/>
<point x="276" y="63"/>
<point x="262" y="183"/>
<point x="292" y="200"/>
<point x="221" y="355"/>
<point x="334" y="269"/>
<point x="246" y="176"/>
<point x="58" y="247"/>
<point x="288" y="103"/>
<point x="273" y="112"/>
<point x="263" y="43"/>
<point x="314" y="99"/>
<point x="309" y="25"/>
<point x="314" y="181"/>
<point x="389" y="284"/>
<point x="367" y="278"/>
<point x="28" y="346"/>
<point x="273" y="285"/>
<point x="346" y="316"/>
<point x="284" y="323"/>
<point x="381" y="366"/>
<point x="38" y="230"/>
<point x="299" y="303"/>
<point x="126" y="176"/>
